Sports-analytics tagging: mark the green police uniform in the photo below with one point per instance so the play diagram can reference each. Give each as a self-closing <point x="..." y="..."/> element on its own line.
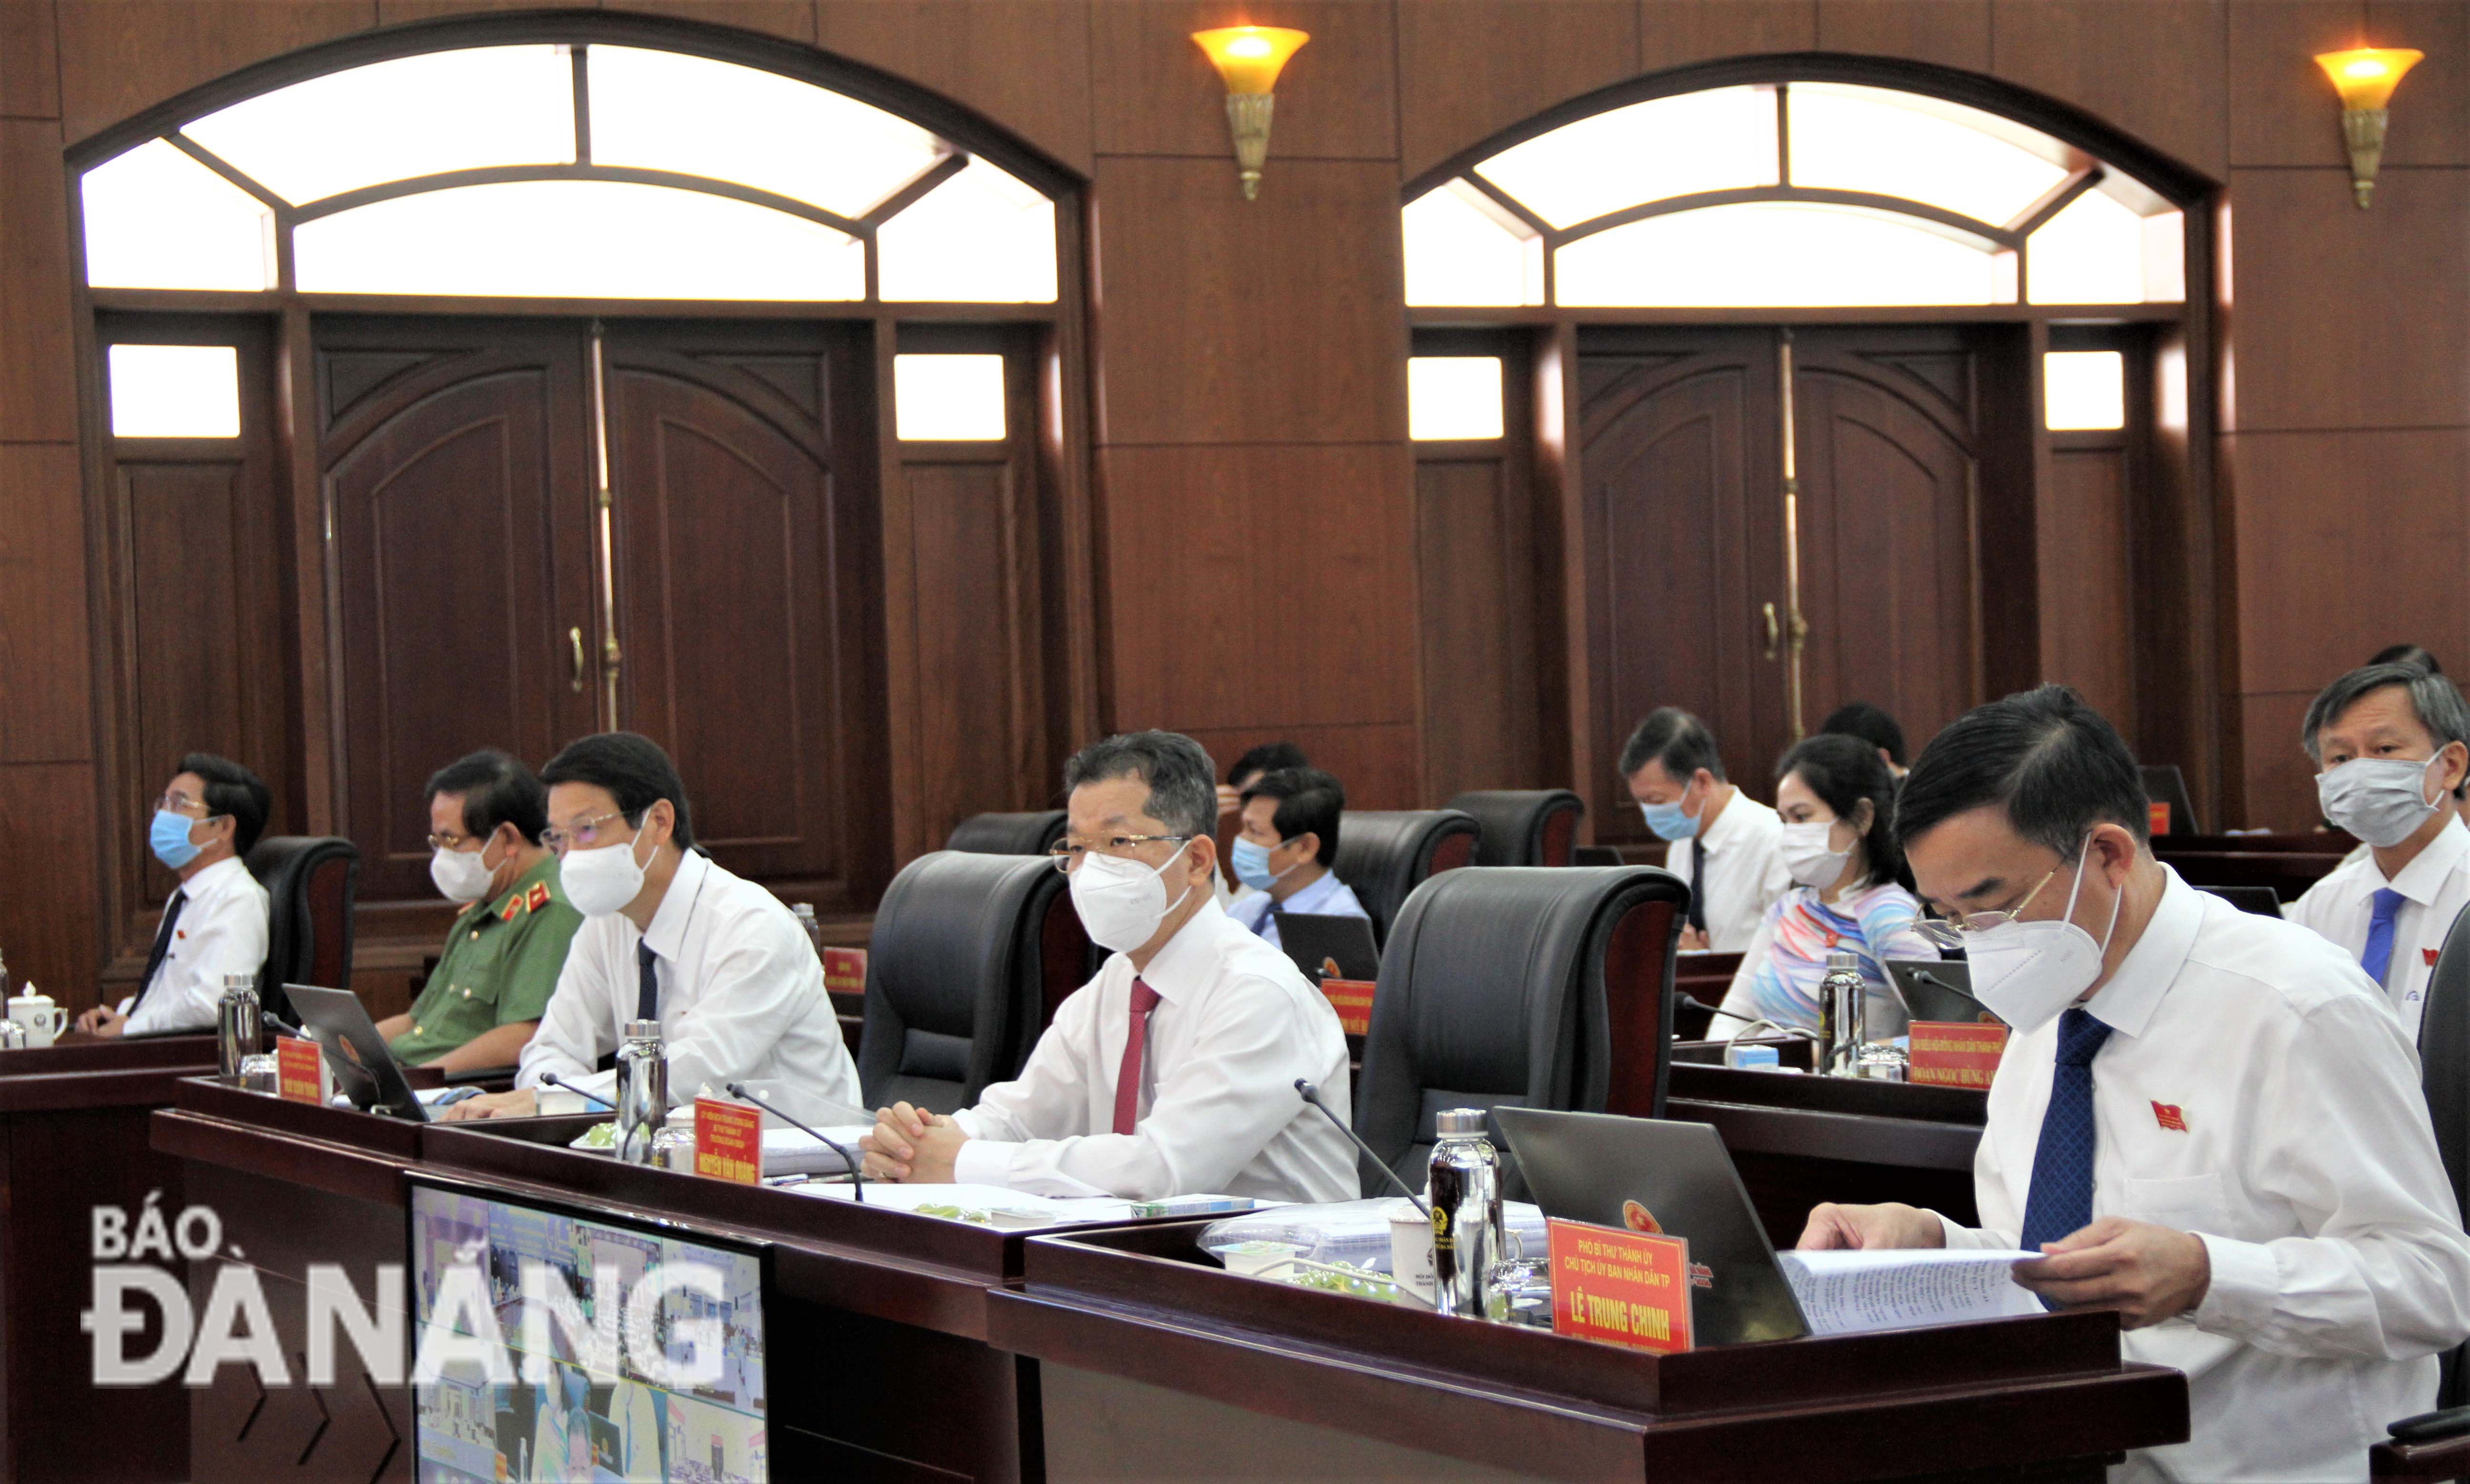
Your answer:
<point x="501" y="967"/>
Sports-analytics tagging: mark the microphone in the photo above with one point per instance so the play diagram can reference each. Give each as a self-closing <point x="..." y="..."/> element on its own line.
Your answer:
<point x="1684" y="997"/>
<point x="857" y="1180"/>
<point x="552" y="1080"/>
<point x="283" y="1025"/>
<point x="1312" y="1095"/>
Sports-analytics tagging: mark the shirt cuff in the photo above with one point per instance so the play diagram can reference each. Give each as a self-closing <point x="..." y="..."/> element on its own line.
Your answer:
<point x="2246" y="1285"/>
<point x="1959" y="1239"/>
<point x="983" y="1162"/>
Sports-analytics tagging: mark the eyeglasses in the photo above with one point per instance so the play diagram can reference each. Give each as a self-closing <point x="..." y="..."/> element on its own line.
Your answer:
<point x="1951" y="932"/>
<point x="180" y="803"/>
<point x="583" y="834"/>
<point x="1066" y="854"/>
<point x="452" y="842"/>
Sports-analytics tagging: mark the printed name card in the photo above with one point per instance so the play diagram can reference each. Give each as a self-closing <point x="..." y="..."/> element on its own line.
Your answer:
<point x="299" y="1069"/>
<point x="2160" y="815"/>
<point x="845" y="970"/>
<point x="729" y="1141"/>
<point x="1352" y="999"/>
<point x="1949" y="1053"/>
<point x="1620" y="1288"/>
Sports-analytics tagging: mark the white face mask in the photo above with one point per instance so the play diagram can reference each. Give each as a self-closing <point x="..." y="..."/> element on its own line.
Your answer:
<point x="600" y="882"/>
<point x="2027" y="972"/>
<point x="462" y="875"/>
<point x="2383" y="801"/>
<point x="1810" y="853"/>
<point x="1120" y="902"/>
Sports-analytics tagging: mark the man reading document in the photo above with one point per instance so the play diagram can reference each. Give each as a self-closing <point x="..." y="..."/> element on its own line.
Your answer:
<point x="2205" y="1119"/>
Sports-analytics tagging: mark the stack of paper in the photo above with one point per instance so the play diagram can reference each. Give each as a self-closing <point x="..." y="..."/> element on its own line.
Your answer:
<point x="1847" y="1292"/>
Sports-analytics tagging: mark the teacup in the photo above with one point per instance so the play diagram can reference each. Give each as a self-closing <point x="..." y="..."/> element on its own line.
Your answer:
<point x="1411" y="1249"/>
<point x="43" y="1019"/>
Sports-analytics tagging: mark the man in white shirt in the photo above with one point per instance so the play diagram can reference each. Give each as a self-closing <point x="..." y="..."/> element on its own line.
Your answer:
<point x="1727" y="845"/>
<point x="1290" y="835"/>
<point x="2391" y="741"/>
<point x="668" y="935"/>
<point x="215" y="923"/>
<point x="2206" y="1121"/>
<point x="1172" y="1071"/>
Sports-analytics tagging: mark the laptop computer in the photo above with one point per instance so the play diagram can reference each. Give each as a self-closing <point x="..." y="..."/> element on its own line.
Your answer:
<point x="1937" y="989"/>
<point x="1653" y="1174"/>
<point x="1313" y="939"/>
<point x="365" y="1070"/>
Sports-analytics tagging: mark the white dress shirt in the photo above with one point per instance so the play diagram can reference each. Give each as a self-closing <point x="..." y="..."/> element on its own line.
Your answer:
<point x="2307" y="1166"/>
<point x="2435" y="886"/>
<point x="221" y="931"/>
<point x="1234" y="1027"/>
<point x="1327" y="897"/>
<point x="741" y="994"/>
<point x="1745" y="870"/>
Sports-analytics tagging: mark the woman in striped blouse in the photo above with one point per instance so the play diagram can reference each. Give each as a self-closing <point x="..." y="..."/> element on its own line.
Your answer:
<point x="1851" y="892"/>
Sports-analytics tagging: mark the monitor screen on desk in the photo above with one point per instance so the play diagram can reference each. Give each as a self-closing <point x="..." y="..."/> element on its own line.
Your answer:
<point x="628" y="1353"/>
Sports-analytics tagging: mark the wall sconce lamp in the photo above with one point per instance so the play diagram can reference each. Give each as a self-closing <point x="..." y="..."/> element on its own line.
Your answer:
<point x="1250" y="57"/>
<point x="2366" y="79"/>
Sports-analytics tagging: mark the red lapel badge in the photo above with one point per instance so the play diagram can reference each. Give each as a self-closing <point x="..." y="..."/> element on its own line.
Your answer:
<point x="537" y="897"/>
<point x="2168" y="1116"/>
<point x="2429" y="954"/>
<point x="508" y="915"/>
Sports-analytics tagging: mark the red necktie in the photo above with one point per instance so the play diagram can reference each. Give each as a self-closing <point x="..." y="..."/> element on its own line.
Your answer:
<point x="1128" y="1077"/>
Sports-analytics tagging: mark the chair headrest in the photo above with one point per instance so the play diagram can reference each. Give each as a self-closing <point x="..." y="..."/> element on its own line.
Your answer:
<point x="1513" y="821"/>
<point x="1384" y="854"/>
<point x="951" y="922"/>
<point x="1007" y="834"/>
<point x="281" y="858"/>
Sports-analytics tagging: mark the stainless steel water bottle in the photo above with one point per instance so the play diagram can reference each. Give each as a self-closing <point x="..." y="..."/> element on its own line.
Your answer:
<point x="1841" y="1000"/>
<point x="238" y="1026"/>
<point x="642" y="1091"/>
<point x="1466" y="1212"/>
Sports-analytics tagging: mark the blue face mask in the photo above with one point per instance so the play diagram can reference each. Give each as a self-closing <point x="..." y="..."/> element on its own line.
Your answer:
<point x="169" y="835"/>
<point x="1252" y="864"/>
<point x="1668" y="820"/>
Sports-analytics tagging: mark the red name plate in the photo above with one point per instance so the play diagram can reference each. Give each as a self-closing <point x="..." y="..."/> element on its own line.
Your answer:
<point x="729" y="1141"/>
<point x="845" y="970"/>
<point x="1352" y="999"/>
<point x="299" y="1066"/>
<point x="2160" y="815"/>
<point x="1950" y="1054"/>
<point x="1620" y="1288"/>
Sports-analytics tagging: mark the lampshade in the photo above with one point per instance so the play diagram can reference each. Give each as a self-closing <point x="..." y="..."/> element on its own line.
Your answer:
<point x="2365" y="78"/>
<point x="1250" y="57"/>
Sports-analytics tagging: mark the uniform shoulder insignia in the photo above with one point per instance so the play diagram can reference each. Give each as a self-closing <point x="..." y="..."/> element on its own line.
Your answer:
<point x="537" y="897"/>
<point x="508" y="915"/>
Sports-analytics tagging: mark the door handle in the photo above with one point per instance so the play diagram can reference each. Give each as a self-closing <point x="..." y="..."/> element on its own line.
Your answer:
<point x="574" y="637"/>
<point x="1775" y="633"/>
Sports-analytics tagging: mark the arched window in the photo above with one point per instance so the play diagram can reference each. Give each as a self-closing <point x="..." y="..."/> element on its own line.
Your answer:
<point x="587" y="171"/>
<point x="1798" y="194"/>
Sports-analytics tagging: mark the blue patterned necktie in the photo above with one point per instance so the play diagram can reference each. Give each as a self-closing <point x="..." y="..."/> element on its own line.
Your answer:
<point x="2378" y="956"/>
<point x="2060" y="1202"/>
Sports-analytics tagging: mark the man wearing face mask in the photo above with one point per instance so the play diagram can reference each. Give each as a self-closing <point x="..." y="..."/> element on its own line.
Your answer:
<point x="2207" y="1120"/>
<point x="1289" y="837"/>
<point x="1726" y="844"/>
<point x="669" y="935"/>
<point x="2391" y="741"/>
<point x="503" y="956"/>
<point x="1172" y="1071"/>
<point x="214" y="924"/>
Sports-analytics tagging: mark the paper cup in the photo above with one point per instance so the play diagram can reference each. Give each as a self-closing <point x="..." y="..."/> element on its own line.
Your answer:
<point x="1411" y="1249"/>
<point x="1249" y="1258"/>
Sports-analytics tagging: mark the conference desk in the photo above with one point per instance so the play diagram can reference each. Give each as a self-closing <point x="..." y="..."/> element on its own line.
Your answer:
<point x="73" y="1137"/>
<point x="2287" y="864"/>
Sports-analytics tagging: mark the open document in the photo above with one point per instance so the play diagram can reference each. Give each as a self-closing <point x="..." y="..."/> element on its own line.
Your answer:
<point x="1847" y="1292"/>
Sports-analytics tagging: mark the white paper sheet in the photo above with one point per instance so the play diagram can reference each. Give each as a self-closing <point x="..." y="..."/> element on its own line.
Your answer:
<point x="1847" y="1292"/>
<point x="1005" y="1207"/>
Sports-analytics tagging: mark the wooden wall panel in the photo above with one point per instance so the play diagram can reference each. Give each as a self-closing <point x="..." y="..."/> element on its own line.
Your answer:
<point x="37" y="361"/>
<point x="793" y="19"/>
<point x="1675" y="33"/>
<point x="2091" y="53"/>
<point x="1378" y="765"/>
<point x="1951" y="33"/>
<point x="2087" y="639"/>
<point x="118" y="56"/>
<point x="2280" y="780"/>
<point x="2283" y="111"/>
<point x="1024" y="63"/>
<point x="46" y="685"/>
<point x="29" y="69"/>
<point x="2350" y="319"/>
<point x="1475" y="555"/>
<point x="1469" y="68"/>
<point x="47" y="910"/>
<point x="1206" y="300"/>
<point x="2336" y="560"/>
<point x="1154" y="92"/>
<point x="977" y="709"/>
<point x="393" y="12"/>
<point x="2432" y="110"/>
<point x="1260" y="587"/>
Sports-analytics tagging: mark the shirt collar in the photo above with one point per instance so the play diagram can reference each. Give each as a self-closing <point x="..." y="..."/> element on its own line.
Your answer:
<point x="1189" y="961"/>
<point x="2424" y="876"/>
<point x="1312" y="895"/>
<point x="1729" y="823"/>
<point x="215" y="880"/>
<point x="667" y="934"/>
<point x="2127" y="1002"/>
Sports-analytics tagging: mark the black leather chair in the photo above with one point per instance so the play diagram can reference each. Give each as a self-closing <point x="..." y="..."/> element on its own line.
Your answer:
<point x="969" y="953"/>
<point x="311" y="882"/>
<point x="1509" y="986"/>
<point x="1007" y="834"/>
<point x="2165" y="784"/>
<point x="1522" y="826"/>
<point x="1383" y="855"/>
<point x="2444" y="1073"/>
